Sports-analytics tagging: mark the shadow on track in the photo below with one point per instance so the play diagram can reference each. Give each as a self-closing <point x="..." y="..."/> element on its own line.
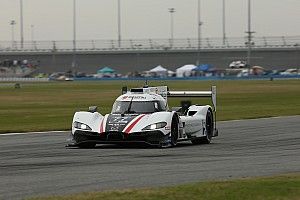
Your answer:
<point x="139" y="146"/>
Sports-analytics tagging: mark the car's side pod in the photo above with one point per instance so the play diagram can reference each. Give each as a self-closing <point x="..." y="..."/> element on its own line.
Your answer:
<point x="212" y="94"/>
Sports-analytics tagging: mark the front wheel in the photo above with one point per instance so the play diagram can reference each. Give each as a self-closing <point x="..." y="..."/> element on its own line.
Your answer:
<point x="209" y="127"/>
<point x="174" y="131"/>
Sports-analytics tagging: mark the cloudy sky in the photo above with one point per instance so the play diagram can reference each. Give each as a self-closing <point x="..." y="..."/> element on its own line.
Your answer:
<point x="97" y="19"/>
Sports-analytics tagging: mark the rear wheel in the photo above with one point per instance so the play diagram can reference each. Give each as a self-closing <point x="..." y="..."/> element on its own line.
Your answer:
<point x="209" y="127"/>
<point x="174" y="131"/>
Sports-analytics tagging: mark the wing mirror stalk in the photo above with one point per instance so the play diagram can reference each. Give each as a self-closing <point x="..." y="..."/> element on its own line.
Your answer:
<point x="92" y="109"/>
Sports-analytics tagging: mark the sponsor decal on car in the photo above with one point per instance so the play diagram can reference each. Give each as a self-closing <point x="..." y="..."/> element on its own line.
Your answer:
<point x="133" y="97"/>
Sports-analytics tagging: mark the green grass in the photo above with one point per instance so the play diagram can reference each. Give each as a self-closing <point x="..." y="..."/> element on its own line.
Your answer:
<point x="50" y="106"/>
<point x="285" y="187"/>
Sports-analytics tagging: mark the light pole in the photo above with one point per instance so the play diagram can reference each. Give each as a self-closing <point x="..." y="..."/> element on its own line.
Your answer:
<point x="249" y="32"/>
<point x="12" y="23"/>
<point x="32" y="34"/>
<point x="119" y="23"/>
<point x="74" y="37"/>
<point x="21" y="23"/>
<point x="199" y="23"/>
<point x="172" y="10"/>
<point x="224" y="23"/>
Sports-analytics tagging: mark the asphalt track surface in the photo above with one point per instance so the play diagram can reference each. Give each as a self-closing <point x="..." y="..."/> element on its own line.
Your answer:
<point x="39" y="164"/>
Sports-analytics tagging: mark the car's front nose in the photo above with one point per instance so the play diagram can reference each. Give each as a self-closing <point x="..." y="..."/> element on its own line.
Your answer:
<point x="154" y="137"/>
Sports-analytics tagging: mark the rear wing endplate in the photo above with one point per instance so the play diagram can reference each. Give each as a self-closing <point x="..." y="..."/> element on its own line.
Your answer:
<point x="212" y="94"/>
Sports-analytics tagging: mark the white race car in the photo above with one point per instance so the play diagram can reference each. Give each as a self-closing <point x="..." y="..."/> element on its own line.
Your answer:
<point x="142" y="115"/>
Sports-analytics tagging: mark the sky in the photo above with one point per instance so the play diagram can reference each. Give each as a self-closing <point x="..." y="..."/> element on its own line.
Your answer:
<point x="143" y="19"/>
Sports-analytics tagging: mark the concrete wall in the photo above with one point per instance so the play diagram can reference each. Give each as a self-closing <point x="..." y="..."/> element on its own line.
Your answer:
<point x="128" y="61"/>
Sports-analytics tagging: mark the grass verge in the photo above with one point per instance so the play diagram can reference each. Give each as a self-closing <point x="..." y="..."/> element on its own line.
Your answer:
<point x="50" y="106"/>
<point x="284" y="187"/>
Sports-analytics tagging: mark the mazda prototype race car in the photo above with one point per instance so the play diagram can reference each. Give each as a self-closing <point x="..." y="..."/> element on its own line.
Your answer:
<point x="142" y="115"/>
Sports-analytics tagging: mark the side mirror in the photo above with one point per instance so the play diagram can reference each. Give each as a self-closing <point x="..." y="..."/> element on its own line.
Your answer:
<point x="92" y="109"/>
<point x="124" y="90"/>
<point x="185" y="105"/>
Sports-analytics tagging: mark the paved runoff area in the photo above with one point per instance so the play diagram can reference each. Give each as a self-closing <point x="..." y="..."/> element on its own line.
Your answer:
<point x="38" y="164"/>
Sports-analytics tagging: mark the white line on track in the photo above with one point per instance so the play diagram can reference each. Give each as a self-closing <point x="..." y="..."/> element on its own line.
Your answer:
<point x="236" y="120"/>
<point x="41" y="132"/>
<point x="263" y="118"/>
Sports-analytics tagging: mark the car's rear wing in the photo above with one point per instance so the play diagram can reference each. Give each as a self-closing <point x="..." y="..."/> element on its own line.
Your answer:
<point x="212" y="94"/>
<point x="164" y="92"/>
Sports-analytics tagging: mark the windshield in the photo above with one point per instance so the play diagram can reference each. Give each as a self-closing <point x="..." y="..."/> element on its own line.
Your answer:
<point x="138" y="107"/>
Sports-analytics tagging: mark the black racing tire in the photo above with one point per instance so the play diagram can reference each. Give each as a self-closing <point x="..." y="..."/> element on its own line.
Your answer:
<point x="174" y="130"/>
<point x="87" y="145"/>
<point x="209" y="126"/>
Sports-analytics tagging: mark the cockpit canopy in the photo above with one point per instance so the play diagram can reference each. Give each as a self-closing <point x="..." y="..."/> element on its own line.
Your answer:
<point x="122" y="107"/>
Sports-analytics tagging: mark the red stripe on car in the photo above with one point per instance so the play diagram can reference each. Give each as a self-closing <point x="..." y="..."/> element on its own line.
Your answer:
<point x="128" y="129"/>
<point x="101" y="125"/>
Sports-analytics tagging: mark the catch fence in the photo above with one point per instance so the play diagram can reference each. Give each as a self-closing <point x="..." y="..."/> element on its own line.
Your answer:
<point x="151" y="44"/>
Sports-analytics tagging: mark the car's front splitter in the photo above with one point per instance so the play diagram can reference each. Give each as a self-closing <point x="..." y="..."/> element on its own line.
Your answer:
<point x="156" y="138"/>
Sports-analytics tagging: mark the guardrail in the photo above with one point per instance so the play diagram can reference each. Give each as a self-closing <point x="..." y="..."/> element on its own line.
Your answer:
<point x="150" y="44"/>
<point x="270" y="77"/>
<point x="3" y="79"/>
<point x="252" y="77"/>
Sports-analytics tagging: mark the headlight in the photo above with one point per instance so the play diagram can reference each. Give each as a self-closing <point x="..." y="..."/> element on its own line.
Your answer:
<point x="81" y="126"/>
<point x="155" y="126"/>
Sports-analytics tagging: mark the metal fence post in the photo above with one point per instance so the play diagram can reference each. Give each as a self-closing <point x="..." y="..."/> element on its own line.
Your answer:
<point x="53" y="46"/>
<point x="151" y="43"/>
<point x="283" y="40"/>
<point x="265" y="41"/>
<point x="93" y="44"/>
